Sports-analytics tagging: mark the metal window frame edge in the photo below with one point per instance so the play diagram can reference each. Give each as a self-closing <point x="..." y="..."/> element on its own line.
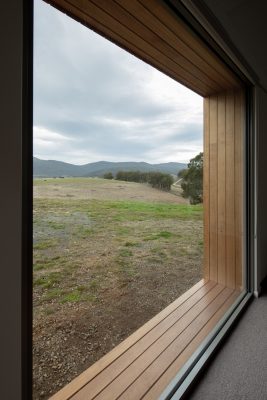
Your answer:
<point x="213" y="28"/>
<point x="183" y="381"/>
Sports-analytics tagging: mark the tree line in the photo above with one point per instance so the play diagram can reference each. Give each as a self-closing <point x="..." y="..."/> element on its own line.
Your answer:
<point x="191" y="179"/>
<point x="157" y="180"/>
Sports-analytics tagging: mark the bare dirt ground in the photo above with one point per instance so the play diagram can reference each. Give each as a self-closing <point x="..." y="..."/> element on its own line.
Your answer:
<point x="108" y="256"/>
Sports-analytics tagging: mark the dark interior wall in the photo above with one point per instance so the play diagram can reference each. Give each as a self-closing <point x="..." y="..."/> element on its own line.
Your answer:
<point x="261" y="127"/>
<point x="11" y="198"/>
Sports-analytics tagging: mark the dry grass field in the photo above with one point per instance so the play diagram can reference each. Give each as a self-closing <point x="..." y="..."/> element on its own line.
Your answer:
<point x="108" y="255"/>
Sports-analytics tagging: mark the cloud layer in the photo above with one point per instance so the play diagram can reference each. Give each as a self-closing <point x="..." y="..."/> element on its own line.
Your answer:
<point x="94" y="101"/>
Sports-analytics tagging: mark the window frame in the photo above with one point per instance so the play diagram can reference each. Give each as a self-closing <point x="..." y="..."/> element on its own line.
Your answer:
<point x="186" y="376"/>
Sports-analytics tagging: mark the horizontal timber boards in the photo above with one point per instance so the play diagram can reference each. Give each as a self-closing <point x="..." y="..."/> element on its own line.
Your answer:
<point x="152" y="32"/>
<point x="155" y="391"/>
<point x="147" y="360"/>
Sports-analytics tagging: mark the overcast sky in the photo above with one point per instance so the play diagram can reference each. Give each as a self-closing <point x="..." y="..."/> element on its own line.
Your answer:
<point x="93" y="101"/>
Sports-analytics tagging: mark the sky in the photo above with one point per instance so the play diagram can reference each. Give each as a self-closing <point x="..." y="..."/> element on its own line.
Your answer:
<point x="94" y="101"/>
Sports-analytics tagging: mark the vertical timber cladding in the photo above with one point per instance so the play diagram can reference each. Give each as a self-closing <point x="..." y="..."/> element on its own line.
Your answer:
<point x="223" y="187"/>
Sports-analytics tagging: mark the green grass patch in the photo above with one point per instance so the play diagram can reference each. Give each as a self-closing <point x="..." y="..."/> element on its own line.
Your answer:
<point x="42" y="263"/>
<point x="84" y="232"/>
<point x="40" y="266"/>
<point x="121" y="230"/>
<point x="125" y="253"/>
<point x="137" y="210"/>
<point x="56" y="225"/>
<point x="104" y="211"/>
<point x="72" y="297"/>
<point x="45" y="244"/>
<point x="165" y="234"/>
<point x="48" y="281"/>
<point x="78" y="295"/>
<point x="53" y="293"/>
<point x="162" y="234"/>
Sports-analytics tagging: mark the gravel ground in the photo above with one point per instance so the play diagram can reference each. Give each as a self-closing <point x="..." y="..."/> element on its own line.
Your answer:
<point x="91" y="292"/>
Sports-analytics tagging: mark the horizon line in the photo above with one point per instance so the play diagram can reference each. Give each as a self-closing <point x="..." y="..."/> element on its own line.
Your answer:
<point x="99" y="161"/>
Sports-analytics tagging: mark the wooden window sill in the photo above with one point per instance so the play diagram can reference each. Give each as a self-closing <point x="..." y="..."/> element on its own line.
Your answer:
<point x="144" y="364"/>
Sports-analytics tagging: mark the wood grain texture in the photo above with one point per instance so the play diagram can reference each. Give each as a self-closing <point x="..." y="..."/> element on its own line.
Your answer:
<point x="206" y="189"/>
<point x="156" y="389"/>
<point x="239" y="185"/>
<point x="223" y="187"/>
<point x="230" y="189"/>
<point x="161" y="10"/>
<point x="113" y="379"/>
<point x="175" y="349"/>
<point x="213" y="188"/>
<point x="142" y="374"/>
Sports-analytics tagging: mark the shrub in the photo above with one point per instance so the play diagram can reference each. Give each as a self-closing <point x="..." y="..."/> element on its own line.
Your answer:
<point x="157" y="180"/>
<point x="108" y="175"/>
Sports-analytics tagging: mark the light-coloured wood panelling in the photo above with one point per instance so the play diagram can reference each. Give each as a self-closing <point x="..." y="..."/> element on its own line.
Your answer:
<point x="206" y="190"/>
<point x="239" y="185"/>
<point x="154" y="33"/>
<point x="213" y="184"/>
<point x="230" y="189"/>
<point x="221" y="187"/>
<point x="156" y="390"/>
<point x="223" y="176"/>
<point x="146" y="361"/>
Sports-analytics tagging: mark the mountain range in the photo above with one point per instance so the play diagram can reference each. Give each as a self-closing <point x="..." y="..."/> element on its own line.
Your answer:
<point x="53" y="168"/>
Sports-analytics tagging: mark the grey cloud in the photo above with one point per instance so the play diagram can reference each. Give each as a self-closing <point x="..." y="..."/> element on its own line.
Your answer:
<point x="188" y="133"/>
<point x="81" y="81"/>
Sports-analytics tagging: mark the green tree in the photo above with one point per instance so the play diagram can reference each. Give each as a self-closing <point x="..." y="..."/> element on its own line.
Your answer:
<point x="108" y="175"/>
<point x="192" y="180"/>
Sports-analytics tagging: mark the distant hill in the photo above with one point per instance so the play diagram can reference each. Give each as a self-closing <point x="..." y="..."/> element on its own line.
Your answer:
<point x="52" y="168"/>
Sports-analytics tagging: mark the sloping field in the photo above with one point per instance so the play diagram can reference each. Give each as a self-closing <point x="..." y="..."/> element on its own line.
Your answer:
<point x="108" y="256"/>
<point x="102" y="189"/>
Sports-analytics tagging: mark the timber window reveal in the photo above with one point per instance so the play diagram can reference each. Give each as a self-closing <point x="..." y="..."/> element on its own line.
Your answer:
<point x="152" y="31"/>
<point x="223" y="188"/>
